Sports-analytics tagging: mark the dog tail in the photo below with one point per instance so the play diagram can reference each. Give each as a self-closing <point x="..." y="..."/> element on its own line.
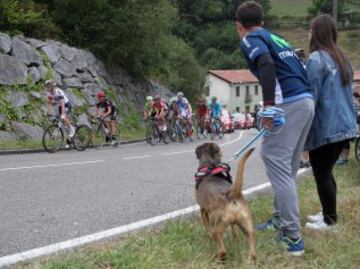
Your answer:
<point x="235" y="192"/>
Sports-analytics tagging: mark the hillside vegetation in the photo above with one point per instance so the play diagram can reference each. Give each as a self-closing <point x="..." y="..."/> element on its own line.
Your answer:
<point x="289" y="8"/>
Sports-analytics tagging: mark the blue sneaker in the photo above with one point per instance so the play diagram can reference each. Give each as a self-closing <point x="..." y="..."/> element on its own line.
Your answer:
<point x="267" y="226"/>
<point x="294" y="247"/>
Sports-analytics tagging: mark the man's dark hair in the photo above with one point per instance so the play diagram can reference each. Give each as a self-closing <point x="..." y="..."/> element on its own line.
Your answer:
<point x="250" y="14"/>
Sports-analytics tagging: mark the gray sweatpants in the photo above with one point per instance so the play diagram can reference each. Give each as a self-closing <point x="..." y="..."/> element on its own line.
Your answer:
<point x="281" y="154"/>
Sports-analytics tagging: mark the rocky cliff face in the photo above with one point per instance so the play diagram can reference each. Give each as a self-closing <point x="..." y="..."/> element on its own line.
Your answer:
<point x="26" y="63"/>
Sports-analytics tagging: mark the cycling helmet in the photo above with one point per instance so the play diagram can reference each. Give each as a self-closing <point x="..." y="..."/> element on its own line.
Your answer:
<point x="149" y="98"/>
<point x="213" y="98"/>
<point x="50" y="82"/>
<point x="101" y="94"/>
<point x="157" y="98"/>
<point x="173" y="99"/>
<point x="180" y="94"/>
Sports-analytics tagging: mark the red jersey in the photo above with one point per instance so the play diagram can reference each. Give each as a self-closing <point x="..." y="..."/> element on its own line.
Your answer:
<point x="202" y="110"/>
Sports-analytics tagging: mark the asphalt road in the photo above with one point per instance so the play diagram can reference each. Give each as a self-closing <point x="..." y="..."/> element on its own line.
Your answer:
<point x="49" y="198"/>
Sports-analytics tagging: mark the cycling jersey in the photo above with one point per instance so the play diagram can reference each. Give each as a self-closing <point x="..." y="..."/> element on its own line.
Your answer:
<point x="202" y="110"/>
<point x="215" y="110"/>
<point x="158" y="106"/>
<point x="183" y="107"/>
<point x="291" y="79"/>
<point x="57" y="96"/>
<point x="106" y="105"/>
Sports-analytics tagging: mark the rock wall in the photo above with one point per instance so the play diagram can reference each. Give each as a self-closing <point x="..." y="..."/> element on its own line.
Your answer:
<point x="25" y="64"/>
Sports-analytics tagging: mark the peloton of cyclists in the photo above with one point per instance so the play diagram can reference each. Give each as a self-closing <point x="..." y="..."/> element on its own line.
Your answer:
<point x="107" y="110"/>
<point x="58" y="99"/>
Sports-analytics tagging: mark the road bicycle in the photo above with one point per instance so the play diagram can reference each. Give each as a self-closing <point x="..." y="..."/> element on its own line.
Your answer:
<point x="184" y="129"/>
<point x="100" y="134"/>
<point x="54" y="136"/>
<point x="201" y="127"/>
<point x="216" y="129"/>
<point x="155" y="132"/>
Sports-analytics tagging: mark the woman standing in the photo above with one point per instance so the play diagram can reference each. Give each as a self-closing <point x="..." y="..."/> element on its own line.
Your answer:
<point x="330" y="75"/>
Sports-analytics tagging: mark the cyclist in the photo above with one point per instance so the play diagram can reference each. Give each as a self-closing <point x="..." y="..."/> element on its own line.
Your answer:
<point x="172" y="109"/>
<point x="160" y="108"/>
<point x="184" y="109"/>
<point x="57" y="97"/>
<point x="201" y="113"/>
<point x="148" y="108"/>
<point x="107" y="110"/>
<point x="215" y="110"/>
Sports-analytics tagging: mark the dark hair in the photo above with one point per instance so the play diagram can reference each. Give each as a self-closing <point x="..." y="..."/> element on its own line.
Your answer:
<point x="324" y="37"/>
<point x="250" y="14"/>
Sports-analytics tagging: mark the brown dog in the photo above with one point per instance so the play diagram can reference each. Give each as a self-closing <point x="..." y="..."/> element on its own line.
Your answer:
<point x="221" y="203"/>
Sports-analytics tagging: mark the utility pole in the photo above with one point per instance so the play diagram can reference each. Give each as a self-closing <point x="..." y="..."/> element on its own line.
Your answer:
<point x="335" y="11"/>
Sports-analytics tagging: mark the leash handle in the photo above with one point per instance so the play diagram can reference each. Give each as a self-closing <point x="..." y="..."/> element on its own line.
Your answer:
<point x="278" y="116"/>
<point x="252" y="141"/>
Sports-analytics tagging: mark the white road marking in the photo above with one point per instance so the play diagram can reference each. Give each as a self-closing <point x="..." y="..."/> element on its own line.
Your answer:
<point x="136" y="157"/>
<point x="49" y="165"/>
<point x="46" y="250"/>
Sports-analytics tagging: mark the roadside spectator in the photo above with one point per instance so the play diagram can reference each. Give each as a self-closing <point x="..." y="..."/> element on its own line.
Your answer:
<point x="330" y="75"/>
<point x="284" y="84"/>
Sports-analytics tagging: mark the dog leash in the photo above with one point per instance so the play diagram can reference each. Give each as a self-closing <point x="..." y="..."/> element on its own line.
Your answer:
<point x="278" y="116"/>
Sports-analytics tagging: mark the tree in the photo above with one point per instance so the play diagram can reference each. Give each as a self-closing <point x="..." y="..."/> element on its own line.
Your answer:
<point x="326" y="7"/>
<point x="26" y="17"/>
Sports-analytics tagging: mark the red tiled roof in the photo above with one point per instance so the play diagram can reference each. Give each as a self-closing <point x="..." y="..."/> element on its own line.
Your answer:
<point x="235" y="76"/>
<point x="357" y="75"/>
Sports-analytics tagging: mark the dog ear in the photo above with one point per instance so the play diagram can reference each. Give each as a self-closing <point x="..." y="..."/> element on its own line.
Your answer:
<point x="213" y="150"/>
<point x="203" y="148"/>
<point x="199" y="151"/>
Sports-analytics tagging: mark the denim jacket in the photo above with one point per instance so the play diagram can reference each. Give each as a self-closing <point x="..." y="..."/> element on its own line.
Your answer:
<point x="335" y="117"/>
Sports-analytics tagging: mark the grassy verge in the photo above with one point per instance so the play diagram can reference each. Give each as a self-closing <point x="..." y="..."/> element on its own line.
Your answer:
<point x="290" y="8"/>
<point x="20" y="144"/>
<point x="184" y="244"/>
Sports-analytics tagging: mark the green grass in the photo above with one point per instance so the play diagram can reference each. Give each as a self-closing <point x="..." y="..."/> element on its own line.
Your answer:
<point x="20" y="144"/>
<point x="184" y="244"/>
<point x="289" y="8"/>
<point x="348" y="41"/>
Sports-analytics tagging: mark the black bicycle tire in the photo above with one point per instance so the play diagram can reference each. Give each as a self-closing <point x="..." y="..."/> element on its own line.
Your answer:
<point x="47" y="130"/>
<point x="94" y="134"/>
<point x="357" y="148"/>
<point x="83" y="146"/>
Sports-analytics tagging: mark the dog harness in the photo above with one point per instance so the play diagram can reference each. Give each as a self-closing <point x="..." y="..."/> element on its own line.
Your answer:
<point x="221" y="170"/>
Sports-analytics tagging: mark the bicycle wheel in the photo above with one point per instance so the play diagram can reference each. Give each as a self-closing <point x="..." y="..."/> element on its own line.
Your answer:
<point x="154" y="137"/>
<point x="171" y="133"/>
<point x="357" y="148"/>
<point x="82" y="137"/>
<point x="213" y="132"/>
<point x="220" y="132"/>
<point x="98" y="137"/>
<point x="53" y="138"/>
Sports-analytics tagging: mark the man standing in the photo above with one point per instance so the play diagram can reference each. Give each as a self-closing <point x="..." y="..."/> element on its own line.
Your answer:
<point x="284" y="84"/>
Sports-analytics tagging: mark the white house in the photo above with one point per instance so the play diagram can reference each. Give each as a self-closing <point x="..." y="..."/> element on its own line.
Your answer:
<point x="237" y="90"/>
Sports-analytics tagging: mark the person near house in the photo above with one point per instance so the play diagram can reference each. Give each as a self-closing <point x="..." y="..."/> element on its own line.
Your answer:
<point x="284" y="84"/>
<point x="107" y="110"/>
<point x="330" y="75"/>
<point x="57" y="98"/>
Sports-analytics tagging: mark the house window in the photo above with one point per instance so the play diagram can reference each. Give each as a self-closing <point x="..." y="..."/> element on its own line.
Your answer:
<point x="247" y="109"/>
<point x="247" y="89"/>
<point x="237" y="91"/>
<point x="237" y="109"/>
<point x="256" y="89"/>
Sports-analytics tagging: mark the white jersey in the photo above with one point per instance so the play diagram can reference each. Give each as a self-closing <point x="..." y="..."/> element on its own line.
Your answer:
<point x="59" y="95"/>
